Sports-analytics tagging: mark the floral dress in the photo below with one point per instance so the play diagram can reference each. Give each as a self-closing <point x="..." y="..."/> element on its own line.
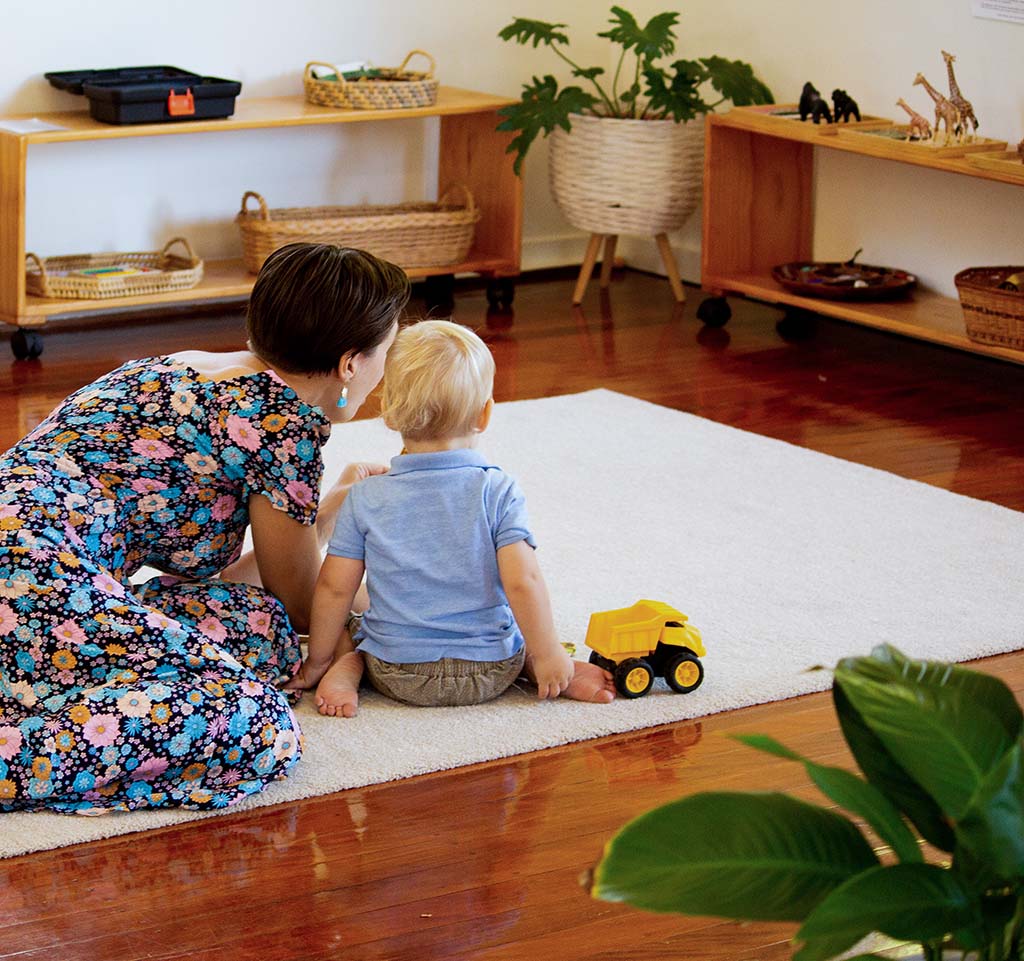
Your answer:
<point x="114" y="696"/>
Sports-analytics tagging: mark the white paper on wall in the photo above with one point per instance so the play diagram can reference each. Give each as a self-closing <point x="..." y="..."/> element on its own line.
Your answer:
<point x="1009" y="10"/>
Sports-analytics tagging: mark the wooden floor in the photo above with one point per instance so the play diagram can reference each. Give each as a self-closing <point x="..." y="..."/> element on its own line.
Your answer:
<point x="484" y="862"/>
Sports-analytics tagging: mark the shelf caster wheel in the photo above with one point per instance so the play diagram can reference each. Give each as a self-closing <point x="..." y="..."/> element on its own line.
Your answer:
<point x="797" y="325"/>
<point x="500" y="293"/>
<point x="714" y="312"/>
<point x="26" y="344"/>
<point x="439" y="293"/>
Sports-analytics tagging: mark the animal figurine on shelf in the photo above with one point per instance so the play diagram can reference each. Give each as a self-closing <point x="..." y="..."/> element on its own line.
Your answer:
<point x="919" y="127"/>
<point x="844" y="106"/>
<point x="945" y="112"/>
<point x="959" y="101"/>
<point x="813" y="105"/>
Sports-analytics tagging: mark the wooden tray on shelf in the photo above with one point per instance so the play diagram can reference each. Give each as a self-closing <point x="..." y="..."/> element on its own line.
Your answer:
<point x="787" y="113"/>
<point x="1006" y="162"/>
<point x="843" y="280"/>
<point x="891" y="142"/>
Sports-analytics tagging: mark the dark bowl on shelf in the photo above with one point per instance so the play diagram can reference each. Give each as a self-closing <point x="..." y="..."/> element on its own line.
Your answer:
<point x="836" y="280"/>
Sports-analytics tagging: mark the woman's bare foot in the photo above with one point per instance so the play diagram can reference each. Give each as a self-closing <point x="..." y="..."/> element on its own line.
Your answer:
<point x="337" y="694"/>
<point x="590" y="683"/>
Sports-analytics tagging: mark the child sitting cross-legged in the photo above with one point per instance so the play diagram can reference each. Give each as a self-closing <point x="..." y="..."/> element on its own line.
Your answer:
<point x="458" y="608"/>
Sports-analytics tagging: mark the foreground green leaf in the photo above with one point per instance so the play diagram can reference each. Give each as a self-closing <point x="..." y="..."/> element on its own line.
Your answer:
<point x="991" y="830"/>
<point x="945" y="725"/>
<point x="747" y="856"/>
<point x="910" y="902"/>
<point x="852" y="793"/>
<point x="882" y="770"/>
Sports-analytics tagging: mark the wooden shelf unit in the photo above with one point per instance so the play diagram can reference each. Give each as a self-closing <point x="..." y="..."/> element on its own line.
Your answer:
<point x="758" y="212"/>
<point x="472" y="151"/>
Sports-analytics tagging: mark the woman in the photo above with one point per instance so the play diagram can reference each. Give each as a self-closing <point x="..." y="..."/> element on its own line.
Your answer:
<point x="117" y="697"/>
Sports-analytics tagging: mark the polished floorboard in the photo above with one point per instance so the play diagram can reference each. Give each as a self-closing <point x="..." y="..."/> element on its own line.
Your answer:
<point x="485" y="862"/>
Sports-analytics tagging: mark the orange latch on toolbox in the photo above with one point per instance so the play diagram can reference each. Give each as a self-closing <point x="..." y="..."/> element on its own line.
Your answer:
<point x="181" y="104"/>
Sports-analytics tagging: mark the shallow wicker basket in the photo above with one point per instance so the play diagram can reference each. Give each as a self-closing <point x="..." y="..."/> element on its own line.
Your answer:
<point x="991" y="315"/>
<point x="613" y="176"/>
<point x="56" y="277"/>
<point x="410" y="235"/>
<point x="395" y="87"/>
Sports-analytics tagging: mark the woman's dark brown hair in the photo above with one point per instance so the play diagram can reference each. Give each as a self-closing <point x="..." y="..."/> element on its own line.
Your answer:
<point x="313" y="303"/>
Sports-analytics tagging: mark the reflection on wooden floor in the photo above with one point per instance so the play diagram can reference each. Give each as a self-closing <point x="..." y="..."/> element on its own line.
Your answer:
<point x="484" y="862"/>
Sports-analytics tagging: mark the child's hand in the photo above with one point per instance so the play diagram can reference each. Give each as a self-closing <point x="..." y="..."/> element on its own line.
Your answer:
<point x="552" y="672"/>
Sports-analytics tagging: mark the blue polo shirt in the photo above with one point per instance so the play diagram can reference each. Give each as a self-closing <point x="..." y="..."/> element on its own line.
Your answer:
<point x="428" y="532"/>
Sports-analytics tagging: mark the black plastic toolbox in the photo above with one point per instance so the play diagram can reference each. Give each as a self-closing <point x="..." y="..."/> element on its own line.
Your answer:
<point x="149" y="94"/>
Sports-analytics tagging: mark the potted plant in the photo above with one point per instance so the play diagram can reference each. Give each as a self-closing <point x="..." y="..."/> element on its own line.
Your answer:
<point x="942" y="757"/>
<point x="625" y="155"/>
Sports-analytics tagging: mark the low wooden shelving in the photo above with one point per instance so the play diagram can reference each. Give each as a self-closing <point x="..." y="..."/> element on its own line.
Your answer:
<point x="758" y="212"/>
<point x="472" y="151"/>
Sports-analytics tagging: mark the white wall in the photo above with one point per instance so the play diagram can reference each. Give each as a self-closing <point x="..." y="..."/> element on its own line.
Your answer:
<point x="136" y="193"/>
<point x="931" y="223"/>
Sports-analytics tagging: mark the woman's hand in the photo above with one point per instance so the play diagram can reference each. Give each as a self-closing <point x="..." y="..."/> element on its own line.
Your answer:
<point x="335" y="495"/>
<point x="354" y="473"/>
<point x="306" y="677"/>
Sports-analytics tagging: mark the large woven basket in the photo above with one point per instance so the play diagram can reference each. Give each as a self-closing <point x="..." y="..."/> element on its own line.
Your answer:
<point x="410" y="234"/>
<point x="394" y="87"/>
<point x="57" y="277"/>
<point x="992" y="315"/>
<point x="611" y="176"/>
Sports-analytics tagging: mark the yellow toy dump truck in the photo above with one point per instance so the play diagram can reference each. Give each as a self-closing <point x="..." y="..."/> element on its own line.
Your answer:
<point x="649" y="639"/>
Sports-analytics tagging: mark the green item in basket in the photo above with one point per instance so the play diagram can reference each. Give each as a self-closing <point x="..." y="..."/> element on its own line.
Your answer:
<point x="364" y="73"/>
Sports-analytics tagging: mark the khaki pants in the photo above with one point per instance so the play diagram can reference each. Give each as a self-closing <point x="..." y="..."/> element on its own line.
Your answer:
<point x="449" y="682"/>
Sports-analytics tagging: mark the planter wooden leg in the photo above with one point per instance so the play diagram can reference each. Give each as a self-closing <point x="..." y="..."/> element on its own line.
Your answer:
<point x="588" y="268"/>
<point x="608" y="259"/>
<point x="670" y="267"/>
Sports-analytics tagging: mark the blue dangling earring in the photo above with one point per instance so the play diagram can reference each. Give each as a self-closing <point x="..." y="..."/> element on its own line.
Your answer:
<point x="343" y="399"/>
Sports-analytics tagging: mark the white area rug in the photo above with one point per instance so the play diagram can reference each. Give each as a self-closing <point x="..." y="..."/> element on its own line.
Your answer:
<point x="784" y="558"/>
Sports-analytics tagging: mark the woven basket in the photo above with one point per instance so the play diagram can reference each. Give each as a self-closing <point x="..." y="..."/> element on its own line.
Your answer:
<point x="410" y="235"/>
<point x="395" y="88"/>
<point x="54" y="277"/>
<point x="991" y="315"/>
<point x="611" y="176"/>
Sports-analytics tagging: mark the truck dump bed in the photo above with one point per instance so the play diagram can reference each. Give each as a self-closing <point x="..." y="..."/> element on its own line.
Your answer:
<point x="630" y="630"/>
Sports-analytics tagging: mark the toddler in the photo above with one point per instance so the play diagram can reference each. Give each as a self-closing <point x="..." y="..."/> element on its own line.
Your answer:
<point x="458" y="608"/>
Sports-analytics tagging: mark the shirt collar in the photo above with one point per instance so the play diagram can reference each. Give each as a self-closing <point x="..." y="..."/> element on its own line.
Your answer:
<point x="438" y="460"/>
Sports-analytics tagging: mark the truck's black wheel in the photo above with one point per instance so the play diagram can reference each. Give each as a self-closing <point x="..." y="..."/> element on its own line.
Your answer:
<point x="633" y="677"/>
<point x="602" y="662"/>
<point x="714" y="311"/>
<point x="684" y="672"/>
<point x="26" y="344"/>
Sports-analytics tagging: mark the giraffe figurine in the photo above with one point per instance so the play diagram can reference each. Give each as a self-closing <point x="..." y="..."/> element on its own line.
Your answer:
<point x="944" y="109"/>
<point x="959" y="101"/>
<point x="918" y="125"/>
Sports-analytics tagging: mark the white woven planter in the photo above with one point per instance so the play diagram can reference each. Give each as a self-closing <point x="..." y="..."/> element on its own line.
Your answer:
<point x="611" y="176"/>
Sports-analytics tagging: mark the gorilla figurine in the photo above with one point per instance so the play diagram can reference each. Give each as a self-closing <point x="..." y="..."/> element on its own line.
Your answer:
<point x="813" y="105"/>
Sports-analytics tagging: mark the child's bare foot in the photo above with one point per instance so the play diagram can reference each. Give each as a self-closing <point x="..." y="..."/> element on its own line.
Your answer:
<point x="337" y="694"/>
<point x="590" y="683"/>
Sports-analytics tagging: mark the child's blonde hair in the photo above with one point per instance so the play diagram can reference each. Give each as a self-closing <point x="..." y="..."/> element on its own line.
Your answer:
<point x="437" y="378"/>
